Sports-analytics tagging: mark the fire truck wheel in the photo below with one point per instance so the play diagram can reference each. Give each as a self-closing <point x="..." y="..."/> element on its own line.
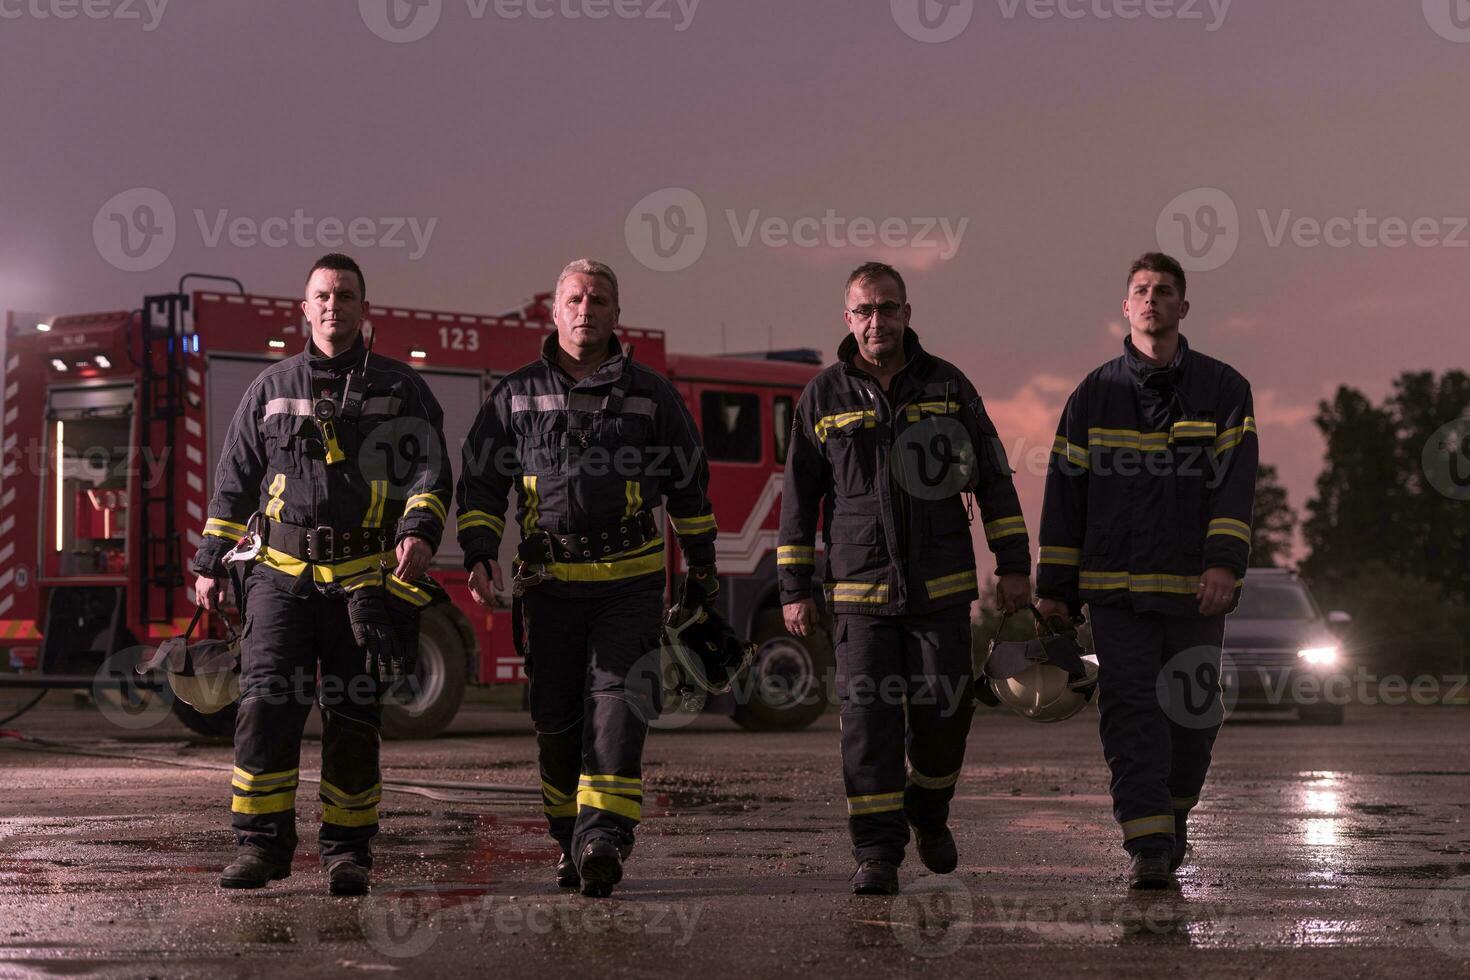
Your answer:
<point x="221" y="724"/>
<point x="421" y="706"/>
<point x="789" y="683"/>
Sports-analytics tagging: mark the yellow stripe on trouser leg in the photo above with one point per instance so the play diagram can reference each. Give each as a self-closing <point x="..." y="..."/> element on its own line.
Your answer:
<point x="350" y="809"/>
<point x="555" y="803"/>
<point x="1146" y="826"/>
<point x="922" y="781"/>
<point x="858" y="806"/>
<point x="622" y="795"/>
<point x="266" y="792"/>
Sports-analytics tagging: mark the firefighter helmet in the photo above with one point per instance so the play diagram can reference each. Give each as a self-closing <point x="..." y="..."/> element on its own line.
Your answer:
<point x="1047" y="678"/>
<point x="707" y="650"/>
<point x="204" y="675"/>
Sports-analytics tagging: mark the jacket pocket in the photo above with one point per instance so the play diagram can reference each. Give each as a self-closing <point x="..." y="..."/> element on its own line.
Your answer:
<point x="855" y="549"/>
<point x="285" y="442"/>
<point x="852" y="452"/>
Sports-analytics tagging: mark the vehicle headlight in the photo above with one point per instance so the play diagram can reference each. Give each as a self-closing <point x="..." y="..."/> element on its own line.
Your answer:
<point x="1318" y="656"/>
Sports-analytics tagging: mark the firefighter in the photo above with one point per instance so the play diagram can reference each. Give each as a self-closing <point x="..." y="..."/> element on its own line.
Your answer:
<point x="888" y="443"/>
<point x="1147" y="520"/>
<point x="591" y="442"/>
<point x="332" y="540"/>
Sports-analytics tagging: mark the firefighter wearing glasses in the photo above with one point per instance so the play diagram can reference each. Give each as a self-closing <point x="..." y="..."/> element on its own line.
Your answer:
<point x="332" y="536"/>
<point x="1147" y="520"/>
<point x="591" y="442"/>
<point x="886" y="443"/>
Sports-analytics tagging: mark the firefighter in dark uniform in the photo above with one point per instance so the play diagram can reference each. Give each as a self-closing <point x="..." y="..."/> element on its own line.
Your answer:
<point x="330" y="543"/>
<point x="887" y="443"/>
<point x="591" y="442"/>
<point x="1147" y="520"/>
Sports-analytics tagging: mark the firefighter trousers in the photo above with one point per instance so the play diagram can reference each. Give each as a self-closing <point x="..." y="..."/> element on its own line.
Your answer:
<point x="593" y="669"/>
<point x="907" y="687"/>
<point x="1159" y="697"/>
<point x="290" y="636"/>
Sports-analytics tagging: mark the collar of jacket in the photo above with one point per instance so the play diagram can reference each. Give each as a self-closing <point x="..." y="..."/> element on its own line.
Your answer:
<point x="618" y="361"/>
<point x="912" y="349"/>
<point x="349" y="358"/>
<point x="1147" y="375"/>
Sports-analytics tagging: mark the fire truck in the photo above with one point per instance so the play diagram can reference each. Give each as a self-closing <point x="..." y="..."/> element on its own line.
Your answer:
<point x="113" y="423"/>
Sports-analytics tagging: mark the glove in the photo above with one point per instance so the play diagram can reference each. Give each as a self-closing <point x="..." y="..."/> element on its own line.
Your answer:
<point x="701" y="587"/>
<point x="375" y="631"/>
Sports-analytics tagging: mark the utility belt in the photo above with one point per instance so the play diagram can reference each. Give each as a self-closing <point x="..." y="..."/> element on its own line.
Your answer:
<point x="325" y="545"/>
<point x="541" y="548"/>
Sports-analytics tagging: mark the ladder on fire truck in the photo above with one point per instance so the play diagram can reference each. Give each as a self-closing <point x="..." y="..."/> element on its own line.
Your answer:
<point x="165" y="334"/>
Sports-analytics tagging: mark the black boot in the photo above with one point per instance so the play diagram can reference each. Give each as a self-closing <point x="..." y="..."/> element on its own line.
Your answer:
<point x="937" y="850"/>
<point x="347" y="877"/>
<point x="253" y="870"/>
<point x="874" y="877"/>
<point x="566" y="872"/>
<point x="1150" y="869"/>
<point x="601" y="868"/>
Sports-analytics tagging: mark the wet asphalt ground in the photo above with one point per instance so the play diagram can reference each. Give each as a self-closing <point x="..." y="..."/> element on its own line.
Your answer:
<point x="1320" y="852"/>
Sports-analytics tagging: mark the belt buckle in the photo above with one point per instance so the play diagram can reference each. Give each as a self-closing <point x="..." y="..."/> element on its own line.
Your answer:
<point x="319" y="545"/>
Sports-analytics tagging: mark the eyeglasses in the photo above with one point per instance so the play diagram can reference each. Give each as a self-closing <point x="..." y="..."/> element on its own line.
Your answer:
<point x="886" y="310"/>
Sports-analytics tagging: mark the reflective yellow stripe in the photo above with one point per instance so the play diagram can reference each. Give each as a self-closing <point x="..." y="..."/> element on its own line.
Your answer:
<point x="1005" y="528"/>
<point x="620" y="805"/>
<point x="917" y="410"/>
<point x="874" y="803"/>
<point x="429" y="500"/>
<point x="379" y="490"/>
<point x="954" y="584"/>
<point x="480" y="518"/>
<point x="1231" y="438"/>
<point x="553" y="794"/>
<point x="1183" y="802"/>
<point x="1054" y="555"/>
<point x="218" y="527"/>
<point x="1192" y="430"/>
<point x="613" y="784"/>
<point x="843" y="419"/>
<point x="349" y="818"/>
<point x="274" y="505"/>
<point x="1128" y="439"/>
<point x="633" y="499"/>
<point x="693" y="525"/>
<point x="876" y="592"/>
<point x="933" y="782"/>
<point x="1134" y="582"/>
<point x="407" y="591"/>
<point x="285" y="563"/>
<point x="274" y="803"/>
<point x="1144" y="826"/>
<point x="795" y="554"/>
<point x="560" y="809"/>
<point x="533" y="504"/>
<point x="1074" y="454"/>
<point x="613" y="569"/>
<point x="1231" y="527"/>
<point x="264" y="778"/>
<point x="332" y="794"/>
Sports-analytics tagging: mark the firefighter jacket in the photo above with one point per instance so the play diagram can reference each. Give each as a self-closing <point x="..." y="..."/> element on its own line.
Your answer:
<point x="584" y="458"/>
<point x="896" y="541"/>
<point x="1151" y="480"/>
<point x="275" y="461"/>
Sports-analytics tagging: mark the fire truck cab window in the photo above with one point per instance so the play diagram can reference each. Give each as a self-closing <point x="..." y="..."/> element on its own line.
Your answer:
<point x="731" y="425"/>
<point x="781" y="412"/>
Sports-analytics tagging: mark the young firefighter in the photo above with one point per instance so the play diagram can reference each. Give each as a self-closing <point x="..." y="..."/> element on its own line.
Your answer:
<point x="1147" y="520"/>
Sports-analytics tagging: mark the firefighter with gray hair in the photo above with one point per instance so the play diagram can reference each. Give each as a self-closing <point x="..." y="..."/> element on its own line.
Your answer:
<point x="330" y="521"/>
<point x="591" y="442"/>
<point x="891" y="447"/>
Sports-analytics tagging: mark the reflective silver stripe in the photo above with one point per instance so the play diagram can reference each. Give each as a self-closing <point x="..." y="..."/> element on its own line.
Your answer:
<point x="537" y="403"/>
<point x="288" y="406"/>
<point x="382" y="405"/>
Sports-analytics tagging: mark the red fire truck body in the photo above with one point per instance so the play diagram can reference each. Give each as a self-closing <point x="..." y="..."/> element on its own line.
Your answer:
<point x="114" y="422"/>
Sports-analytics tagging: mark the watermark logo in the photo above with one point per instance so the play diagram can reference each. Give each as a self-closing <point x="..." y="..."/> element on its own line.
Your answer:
<point x="1197" y="687"/>
<point x="1201" y="228"/>
<point x="932" y="21"/>
<point x="933" y="917"/>
<point x="934" y="459"/>
<point x="1446" y="459"/>
<point x="1450" y="19"/>
<point x="395" y="452"/>
<point x="148" y="12"/>
<point x="668" y="230"/>
<point x="135" y="230"/>
<point x="1447" y="917"/>
<point x="123" y="698"/>
<point x="400" y="21"/>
